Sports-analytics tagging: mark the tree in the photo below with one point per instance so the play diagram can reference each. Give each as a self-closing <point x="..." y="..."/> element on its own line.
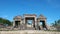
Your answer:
<point x="5" y="21"/>
<point x="56" y="24"/>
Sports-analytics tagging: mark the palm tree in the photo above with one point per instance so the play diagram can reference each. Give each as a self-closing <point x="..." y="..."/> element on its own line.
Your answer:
<point x="56" y="24"/>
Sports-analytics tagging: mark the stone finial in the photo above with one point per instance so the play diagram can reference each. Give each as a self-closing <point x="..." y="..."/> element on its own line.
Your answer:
<point x="17" y="17"/>
<point x="42" y="16"/>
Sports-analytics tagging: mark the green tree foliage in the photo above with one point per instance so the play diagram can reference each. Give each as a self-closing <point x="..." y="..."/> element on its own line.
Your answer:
<point x="5" y="21"/>
<point x="56" y="23"/>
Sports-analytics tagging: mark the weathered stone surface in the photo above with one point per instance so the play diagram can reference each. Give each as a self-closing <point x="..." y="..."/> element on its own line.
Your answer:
<point x="18" y="20"/>
<point x="28" y="32"/>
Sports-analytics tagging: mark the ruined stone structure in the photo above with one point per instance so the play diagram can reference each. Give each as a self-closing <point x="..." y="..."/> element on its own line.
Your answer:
<point x="22" y="22"/>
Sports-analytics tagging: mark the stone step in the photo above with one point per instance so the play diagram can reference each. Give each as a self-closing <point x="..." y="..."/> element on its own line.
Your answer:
<point x="30" y="28"/>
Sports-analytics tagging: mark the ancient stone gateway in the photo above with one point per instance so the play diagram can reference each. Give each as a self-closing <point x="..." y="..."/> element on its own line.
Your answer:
<point x="17" y="21"/>
<point x="30" y="17"/>
<point x="42" y="20"/>
<point x="23" y="22"/>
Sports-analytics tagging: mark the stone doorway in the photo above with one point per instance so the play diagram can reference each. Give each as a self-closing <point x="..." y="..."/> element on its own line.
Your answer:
<point x="30" y="25"/>
<point x="17" y="23"/>
<point x="42" y="25"/>
<point x="29" y="22"/>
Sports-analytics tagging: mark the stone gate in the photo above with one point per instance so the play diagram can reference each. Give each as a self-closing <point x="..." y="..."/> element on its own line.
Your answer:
<point x="22" y="22"/>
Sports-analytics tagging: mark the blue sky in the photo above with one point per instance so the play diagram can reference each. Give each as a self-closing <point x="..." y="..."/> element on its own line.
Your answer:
<point x="49" y="8"/>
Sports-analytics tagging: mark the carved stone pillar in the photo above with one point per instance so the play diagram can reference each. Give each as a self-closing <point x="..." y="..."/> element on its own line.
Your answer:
<point x="13" y="23"/>
<point x="32" y="24"/>
<point x="35" y="23"/>
<point x="25" y="23"/>
<point x="46" y="25"/>
<point x="39" y="26"/>
<point x="24" y="20"/>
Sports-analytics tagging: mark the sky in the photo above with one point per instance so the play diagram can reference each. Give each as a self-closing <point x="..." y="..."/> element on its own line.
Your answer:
<point x="49" y="8"/>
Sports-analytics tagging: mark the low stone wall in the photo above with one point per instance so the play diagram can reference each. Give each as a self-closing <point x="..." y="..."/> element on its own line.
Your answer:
<point x="28" y="32"/>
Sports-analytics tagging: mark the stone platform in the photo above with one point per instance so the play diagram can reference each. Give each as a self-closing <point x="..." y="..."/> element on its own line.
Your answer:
<point x="28" y="32"/>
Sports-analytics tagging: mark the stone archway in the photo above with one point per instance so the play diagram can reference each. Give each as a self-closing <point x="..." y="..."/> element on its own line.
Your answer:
<point x="17" y="23"/>
<point x="32" y="25"/>
<point x="22" y="23"/>
<point x="30" y="17"/>
<point x="43" y="20"/>
<point x="42" y="25"/>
